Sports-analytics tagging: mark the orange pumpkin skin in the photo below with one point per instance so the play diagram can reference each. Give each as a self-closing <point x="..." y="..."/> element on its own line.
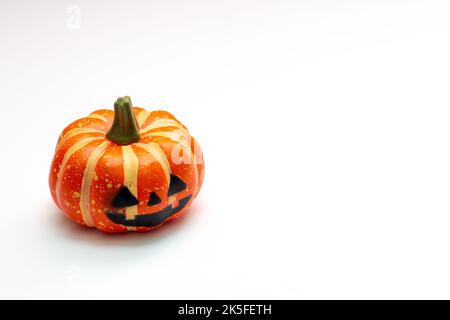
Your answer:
<point x="89" y="170"/>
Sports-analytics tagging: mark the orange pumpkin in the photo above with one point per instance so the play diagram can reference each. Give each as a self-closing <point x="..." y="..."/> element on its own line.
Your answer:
<point x="127" y="170"/>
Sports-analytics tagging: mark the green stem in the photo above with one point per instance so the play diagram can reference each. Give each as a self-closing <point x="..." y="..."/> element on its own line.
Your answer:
<point x="125" y="128"/>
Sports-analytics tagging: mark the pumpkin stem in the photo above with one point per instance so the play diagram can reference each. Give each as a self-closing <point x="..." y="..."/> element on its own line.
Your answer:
<point x="125" y="128"/>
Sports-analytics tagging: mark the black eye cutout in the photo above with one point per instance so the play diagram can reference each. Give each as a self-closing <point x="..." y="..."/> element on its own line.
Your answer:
<point x="124" y="199"/>
<point x="154" y="199"/>
<point x="176" y="185"/>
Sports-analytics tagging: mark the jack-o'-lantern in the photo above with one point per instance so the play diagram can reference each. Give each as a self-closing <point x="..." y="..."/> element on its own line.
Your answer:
<point x="127" y="170"/>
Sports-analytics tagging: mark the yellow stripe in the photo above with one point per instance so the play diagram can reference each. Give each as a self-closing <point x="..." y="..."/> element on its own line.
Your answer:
<point x="155" y="150"/>
<point x="143" y="116"/>
<point x="130" y="167"/>
<point x="179" y="136"/>
<point x="97" y="116"/>
<point x="160" y="123"/>
<point x="69" y="153"/>
<point x="182" y="139"/>
<point x="87" y="181"/>
<point x="73" y="132"/>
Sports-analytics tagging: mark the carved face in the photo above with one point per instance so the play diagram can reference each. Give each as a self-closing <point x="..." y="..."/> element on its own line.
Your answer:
<point x="125" y="199"/>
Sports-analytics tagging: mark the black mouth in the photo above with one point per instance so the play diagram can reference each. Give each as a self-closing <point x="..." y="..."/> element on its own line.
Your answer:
<point x="148" y="220"/>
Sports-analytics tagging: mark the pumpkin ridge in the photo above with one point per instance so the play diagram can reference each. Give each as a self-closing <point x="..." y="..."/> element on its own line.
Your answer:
<point x="155" y="150"/>
<point x="183" y="142"/>
<point x="130" y="169"/>
<point x="88" y="176"/>
<point x="97" y="116"/>
<point x="165" y="123"/>
<point x="68" y="154"/>
<point x="143" y="117"/>
<point x="74" y="132"/>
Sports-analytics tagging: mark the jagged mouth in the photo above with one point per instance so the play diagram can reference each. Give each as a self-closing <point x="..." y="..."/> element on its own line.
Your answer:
<point x="151" y="219"/>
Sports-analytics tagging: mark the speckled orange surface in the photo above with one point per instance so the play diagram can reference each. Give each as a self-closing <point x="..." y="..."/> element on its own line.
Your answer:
<point x="88" y="170"/>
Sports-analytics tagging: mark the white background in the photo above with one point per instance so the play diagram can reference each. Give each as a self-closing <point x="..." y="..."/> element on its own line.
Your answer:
<point x="325" y="130"/>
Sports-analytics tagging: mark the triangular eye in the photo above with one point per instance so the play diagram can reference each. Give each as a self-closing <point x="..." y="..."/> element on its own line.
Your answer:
<point x="124" y="199"/>
<point x="176" y="185"/>
<point x="154" y="199"/>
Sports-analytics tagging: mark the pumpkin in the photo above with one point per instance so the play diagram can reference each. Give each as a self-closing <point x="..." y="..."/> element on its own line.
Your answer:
<point x="127" y="170"/>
